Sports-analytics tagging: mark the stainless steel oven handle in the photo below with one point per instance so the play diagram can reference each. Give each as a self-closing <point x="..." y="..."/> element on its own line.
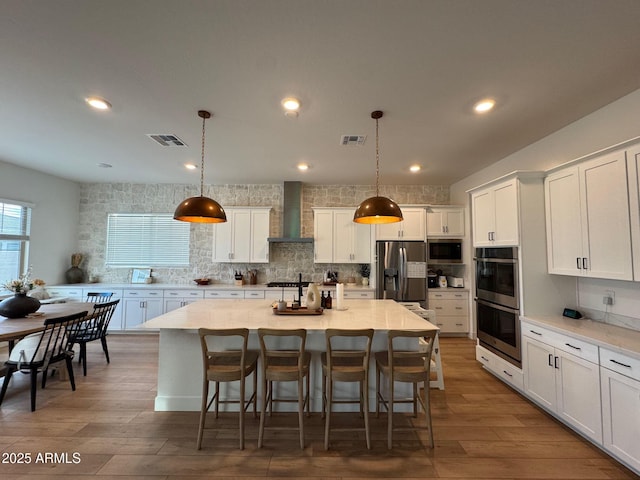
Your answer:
<point x="496" y="260"/>
<point x="496" y="306"/>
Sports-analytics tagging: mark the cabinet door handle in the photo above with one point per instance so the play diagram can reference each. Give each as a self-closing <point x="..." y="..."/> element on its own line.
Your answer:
<point x="555" y="362"/>
<point x="550" y="359"/>
<point x="578" y="263"/>
<point x="584" y="263"/>
<point x="575" y="348"/>
<point x="619" y="363"/>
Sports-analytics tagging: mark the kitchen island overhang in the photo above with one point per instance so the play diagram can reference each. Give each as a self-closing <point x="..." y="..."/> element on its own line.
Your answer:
<point x="180" y="358"/>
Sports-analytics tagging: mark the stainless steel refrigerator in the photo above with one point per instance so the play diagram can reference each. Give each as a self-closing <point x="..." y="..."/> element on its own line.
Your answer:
<point x="402" y="271"/>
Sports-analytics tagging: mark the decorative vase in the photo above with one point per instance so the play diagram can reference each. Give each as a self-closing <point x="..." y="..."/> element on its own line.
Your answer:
<point x="365" y="281"/>
<point x="74" y="275"/>
<point x="313" y="297"/>
<point x="20" y="305"/>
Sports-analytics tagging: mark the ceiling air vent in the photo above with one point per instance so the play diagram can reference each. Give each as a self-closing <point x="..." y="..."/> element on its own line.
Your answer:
<point x="168" y="140"/>
<point x="352" y="139"/>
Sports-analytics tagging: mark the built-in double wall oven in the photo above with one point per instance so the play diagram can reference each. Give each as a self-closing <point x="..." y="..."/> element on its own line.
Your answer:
<point x="497" y="305"/>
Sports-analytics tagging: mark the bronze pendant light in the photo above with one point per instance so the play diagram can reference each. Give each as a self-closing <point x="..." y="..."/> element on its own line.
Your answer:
<point x="378" y="209"/>
<point x="200" y="209"/>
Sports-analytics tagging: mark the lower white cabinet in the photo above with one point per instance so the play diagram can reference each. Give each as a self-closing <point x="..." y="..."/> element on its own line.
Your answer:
<point x="566" y="384"/>
<point x="174" y="299"/>
<point x="620" y="377"/>
<point x="507" y="372"/>
<point x="141" y="305"/>
<point x="452" y="310"/>
<point x="224" y="293"/>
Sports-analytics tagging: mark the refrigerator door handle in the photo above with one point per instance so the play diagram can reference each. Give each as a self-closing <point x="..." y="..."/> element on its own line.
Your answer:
<point x="402" y="274"/>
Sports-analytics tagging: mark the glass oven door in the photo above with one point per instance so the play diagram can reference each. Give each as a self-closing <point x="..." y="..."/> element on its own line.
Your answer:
<point x="499" y="330"/>
<point x="497" y="280"/>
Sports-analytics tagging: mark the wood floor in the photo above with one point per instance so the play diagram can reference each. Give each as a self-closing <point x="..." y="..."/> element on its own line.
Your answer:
<point x="107" y="429"/>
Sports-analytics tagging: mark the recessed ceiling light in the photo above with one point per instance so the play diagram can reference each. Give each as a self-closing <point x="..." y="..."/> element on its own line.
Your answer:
<point x="190" y="166"/>
<point x="415" y="168"/>
<point x="485" y="105"/>
<point x="105" y="165"/>
<point x="98" y="103"/>
<point x="291" y="103"/>
<point x="303" y="167"/>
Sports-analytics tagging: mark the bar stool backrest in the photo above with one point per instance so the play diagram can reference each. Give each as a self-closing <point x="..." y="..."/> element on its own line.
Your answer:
<point x="400" y="361"/>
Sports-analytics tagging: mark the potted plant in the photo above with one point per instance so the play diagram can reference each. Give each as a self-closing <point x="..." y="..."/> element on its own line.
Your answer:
<point x="365" y="270"/>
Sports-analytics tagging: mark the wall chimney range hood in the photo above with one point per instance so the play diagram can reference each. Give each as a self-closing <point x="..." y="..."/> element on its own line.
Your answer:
<point x="291" y="215"/>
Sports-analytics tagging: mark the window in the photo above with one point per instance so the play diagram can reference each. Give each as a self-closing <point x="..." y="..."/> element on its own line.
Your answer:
<point x="15" y="228"/>
<point x="146" y="240"/>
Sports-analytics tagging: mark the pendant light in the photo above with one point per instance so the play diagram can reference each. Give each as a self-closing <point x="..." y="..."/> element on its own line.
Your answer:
<point x="200" y="209"/>
<point x="378" y="209"/>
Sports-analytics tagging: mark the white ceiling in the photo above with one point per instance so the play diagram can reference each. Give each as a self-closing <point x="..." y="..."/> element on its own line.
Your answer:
<point x="423" y="62"/>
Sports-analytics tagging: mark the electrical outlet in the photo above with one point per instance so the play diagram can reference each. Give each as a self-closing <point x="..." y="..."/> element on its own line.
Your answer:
<point x="609" y="297"/>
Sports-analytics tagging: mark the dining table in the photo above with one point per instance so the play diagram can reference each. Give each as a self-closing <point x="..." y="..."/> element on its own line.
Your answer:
<point x="13" y="329"/>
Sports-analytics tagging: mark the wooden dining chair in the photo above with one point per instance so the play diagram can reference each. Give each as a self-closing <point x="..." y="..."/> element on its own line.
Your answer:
<point x="94" y="327"/>
<point x="226" y="365"/>
<point x="286" y="362"/>
<point x="99" y="297"/>
<point x="408" y="366"/>
<point x="344" y="364"/>
<point x="36" y="352"/>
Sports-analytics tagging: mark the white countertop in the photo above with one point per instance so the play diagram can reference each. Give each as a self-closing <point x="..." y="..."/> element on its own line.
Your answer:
<point x="623" y="340"/>
<point x="254" y="314"/>
<point x="192" y="286"/>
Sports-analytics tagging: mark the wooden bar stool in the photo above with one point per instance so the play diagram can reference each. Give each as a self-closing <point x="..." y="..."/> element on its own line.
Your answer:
<point x="227" y="366"/>
<point x="286" y="365"/>
<point x="342" y="365"/>
<point x="410" y="367"/>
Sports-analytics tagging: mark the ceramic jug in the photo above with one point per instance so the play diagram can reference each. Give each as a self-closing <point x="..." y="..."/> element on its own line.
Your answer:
<point x="313" y="297"/>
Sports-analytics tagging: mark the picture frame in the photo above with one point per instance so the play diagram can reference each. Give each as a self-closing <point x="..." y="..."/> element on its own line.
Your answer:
<point x="140" y="275"/>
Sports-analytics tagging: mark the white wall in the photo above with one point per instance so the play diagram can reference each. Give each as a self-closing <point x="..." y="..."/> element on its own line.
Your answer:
<point x="612" y="124"/>
<point x="54" y="224"/>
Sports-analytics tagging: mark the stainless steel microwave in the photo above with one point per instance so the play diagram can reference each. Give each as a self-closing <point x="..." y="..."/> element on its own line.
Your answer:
<point x="444" y="251"/>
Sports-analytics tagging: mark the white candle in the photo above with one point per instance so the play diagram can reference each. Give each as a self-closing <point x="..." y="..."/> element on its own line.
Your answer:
<point x="339" y="295"/>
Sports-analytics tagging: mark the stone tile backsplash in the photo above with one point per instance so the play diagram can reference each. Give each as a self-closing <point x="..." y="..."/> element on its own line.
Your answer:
<point x="286" y="260"/>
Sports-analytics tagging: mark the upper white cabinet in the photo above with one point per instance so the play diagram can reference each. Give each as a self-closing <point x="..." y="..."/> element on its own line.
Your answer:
<point x="587" y="218"/>
<point x="413" y="227"/>
<point x="243" y="237"/>
<point x="633" y="164"/>
<point x="445" y="221"/>
<point x="495" y="214"/>
<point x="337" y="239"/>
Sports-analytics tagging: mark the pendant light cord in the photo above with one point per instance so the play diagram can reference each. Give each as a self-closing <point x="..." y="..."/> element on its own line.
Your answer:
<point x="377" y="163"/>
<point x="204" y="118"/>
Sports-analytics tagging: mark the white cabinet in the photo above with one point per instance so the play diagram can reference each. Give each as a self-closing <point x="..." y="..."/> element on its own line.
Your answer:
<point x="633" y="164"/>
<point x="502" y="369"/>
<point x="174" y="299"/>
<point x="620" y="377"/>
<point x="72" y="294"/>
<point x="562" y="374"/>
<point x="445" y="221"/>
<point x="587" y="217"/>
<point x="224" y="294"/>
<point x="452" y="310"/>
<point x="495" y="214"/>
<point x="338" y="239"/>
<point x="141" y="305"/>
<point x="243" y="237"/>
<point x="413" y="227"/>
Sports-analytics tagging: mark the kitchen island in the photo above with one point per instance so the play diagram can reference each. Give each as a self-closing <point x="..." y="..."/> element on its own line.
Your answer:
<point x="180" y="358"/>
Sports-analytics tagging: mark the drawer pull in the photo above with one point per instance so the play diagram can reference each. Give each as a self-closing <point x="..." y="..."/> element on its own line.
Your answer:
<point x="484" y="358"/>
<point x="535" y="333"/>
<point x="620" y="363"/>
<point x="507" y="373"/>
<point x="575" y="348"/>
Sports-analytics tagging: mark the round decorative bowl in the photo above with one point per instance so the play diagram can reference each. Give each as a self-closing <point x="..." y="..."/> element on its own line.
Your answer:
<point x="203" y="281"/>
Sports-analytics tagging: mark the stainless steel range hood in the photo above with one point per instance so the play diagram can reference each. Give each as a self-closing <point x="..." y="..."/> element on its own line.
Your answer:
<point x="291" y="215"/>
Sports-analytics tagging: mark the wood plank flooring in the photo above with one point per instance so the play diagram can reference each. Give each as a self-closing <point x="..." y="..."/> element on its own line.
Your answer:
<point x="482" y="429"/>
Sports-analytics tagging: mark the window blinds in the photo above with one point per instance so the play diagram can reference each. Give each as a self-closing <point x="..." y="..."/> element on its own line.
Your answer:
<point x="146" y="240"/>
